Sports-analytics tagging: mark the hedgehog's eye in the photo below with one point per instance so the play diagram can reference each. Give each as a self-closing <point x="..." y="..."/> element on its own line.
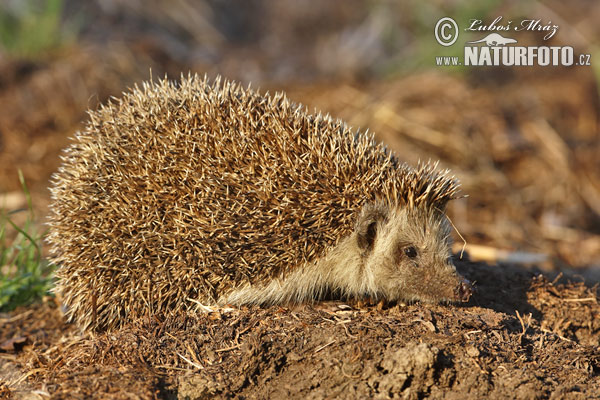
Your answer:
<point x="410" y="251"/>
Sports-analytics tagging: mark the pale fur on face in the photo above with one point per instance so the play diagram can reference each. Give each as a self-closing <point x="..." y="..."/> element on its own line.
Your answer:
<point x="374" y="261"/>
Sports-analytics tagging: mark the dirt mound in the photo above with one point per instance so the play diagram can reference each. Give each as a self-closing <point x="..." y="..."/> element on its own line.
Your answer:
<point x="511" y="341"/>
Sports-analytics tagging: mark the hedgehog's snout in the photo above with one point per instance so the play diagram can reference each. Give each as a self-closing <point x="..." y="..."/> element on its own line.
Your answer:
<point x="463" y="291"/>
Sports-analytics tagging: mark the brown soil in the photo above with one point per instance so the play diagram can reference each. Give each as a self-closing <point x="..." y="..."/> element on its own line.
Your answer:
<point x="521" y="336"/>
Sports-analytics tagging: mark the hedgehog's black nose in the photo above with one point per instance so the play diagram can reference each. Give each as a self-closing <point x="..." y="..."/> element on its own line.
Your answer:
<point x="464" y="291"/>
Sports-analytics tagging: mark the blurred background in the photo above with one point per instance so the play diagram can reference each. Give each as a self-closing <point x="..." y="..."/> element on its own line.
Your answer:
<point x="524" y="141"/>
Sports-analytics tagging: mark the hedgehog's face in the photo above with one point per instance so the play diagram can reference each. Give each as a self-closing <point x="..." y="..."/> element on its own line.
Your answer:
<point x="406" y="254"/>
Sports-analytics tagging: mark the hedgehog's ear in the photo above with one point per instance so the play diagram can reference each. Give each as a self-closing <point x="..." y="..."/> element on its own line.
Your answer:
<point x="368" y="225"/>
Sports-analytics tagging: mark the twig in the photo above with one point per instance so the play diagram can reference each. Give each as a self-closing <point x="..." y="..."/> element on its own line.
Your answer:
<point x="523" y="324"/>
<point x="195" y="365"/>
<point x="585" y="299"/>
<point x="493" y="254"/>
<point x="210" y="309"/>
<point x="322" y="347"/>
<point x="471" y="332"/>
<point x="348" y="332"/>
<point x="237" y="346"/>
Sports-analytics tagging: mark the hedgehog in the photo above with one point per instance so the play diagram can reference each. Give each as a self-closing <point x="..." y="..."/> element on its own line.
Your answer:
<point x="199" y="192"/>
